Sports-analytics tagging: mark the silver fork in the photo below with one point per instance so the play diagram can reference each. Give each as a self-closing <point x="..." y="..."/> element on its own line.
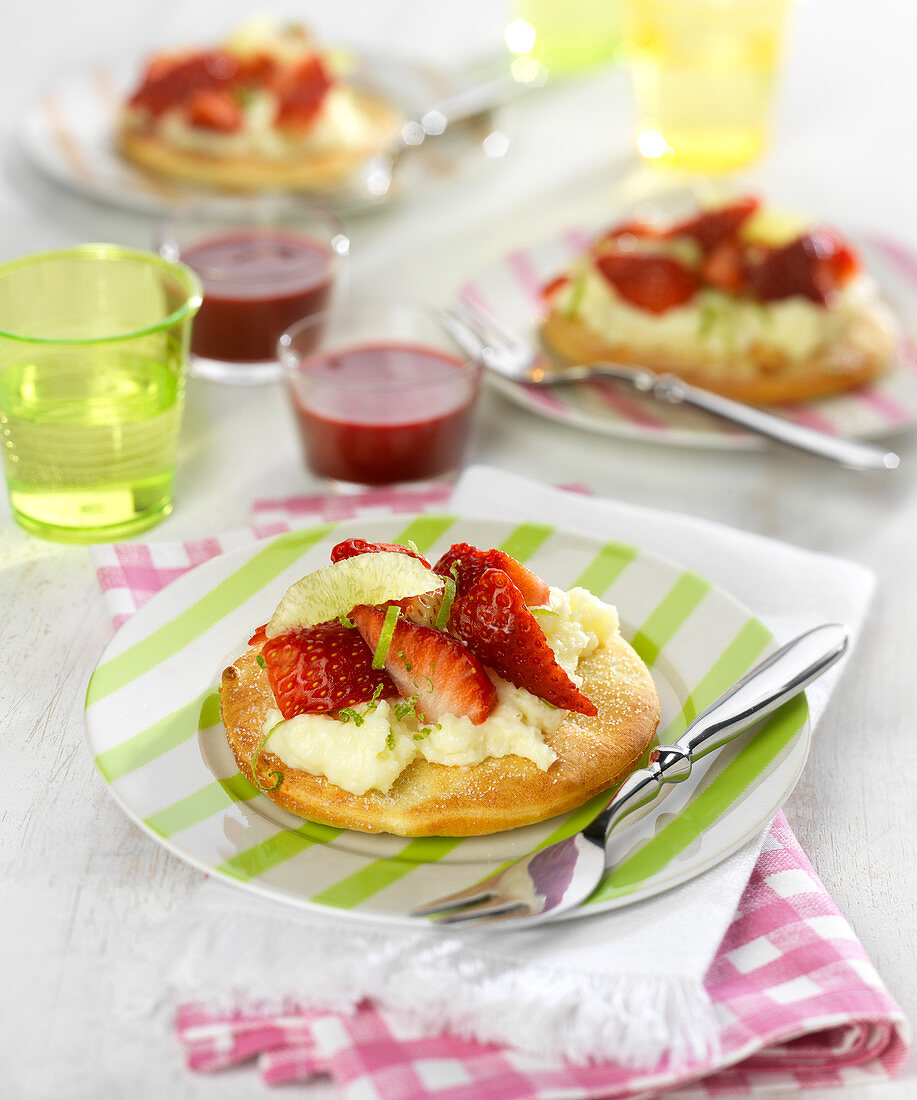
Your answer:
<point x="560" y="877"/>
<point x="505" y="353"/>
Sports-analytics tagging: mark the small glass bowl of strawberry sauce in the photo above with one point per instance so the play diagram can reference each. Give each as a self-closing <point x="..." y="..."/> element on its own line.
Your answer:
<point x="381" y="394"/>
<point x="263" y="266"/>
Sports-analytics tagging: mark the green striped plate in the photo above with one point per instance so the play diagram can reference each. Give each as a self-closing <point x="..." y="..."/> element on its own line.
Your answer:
<point x="153" y="725"/>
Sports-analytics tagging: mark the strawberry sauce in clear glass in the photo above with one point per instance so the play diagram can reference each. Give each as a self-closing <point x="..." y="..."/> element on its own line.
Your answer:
<point x="257" y="282"/>
<point x="384" y="412"/>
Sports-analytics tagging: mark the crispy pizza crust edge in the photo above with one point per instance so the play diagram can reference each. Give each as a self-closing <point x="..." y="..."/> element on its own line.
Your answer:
<point x="593" y="754"/>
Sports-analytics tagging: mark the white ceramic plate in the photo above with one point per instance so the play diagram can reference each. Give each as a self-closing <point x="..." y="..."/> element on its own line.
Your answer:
<point x="69" y="133"/>
<point x="153" y="726"/>
<point x="511" y="290"/>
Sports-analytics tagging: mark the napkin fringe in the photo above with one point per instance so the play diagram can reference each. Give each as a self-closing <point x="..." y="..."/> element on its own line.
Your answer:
<point x="248" y="964"/>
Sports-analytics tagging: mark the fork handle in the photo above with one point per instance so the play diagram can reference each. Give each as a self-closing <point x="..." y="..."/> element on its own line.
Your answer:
<point x="760" y="692"/>
<point x="854" y="453"/>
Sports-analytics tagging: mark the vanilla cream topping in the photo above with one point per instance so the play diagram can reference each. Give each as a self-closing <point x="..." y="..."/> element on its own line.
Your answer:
<point x="371" y="755"/>
<point x="339" y="124"/>
<point x="712" y="321"/>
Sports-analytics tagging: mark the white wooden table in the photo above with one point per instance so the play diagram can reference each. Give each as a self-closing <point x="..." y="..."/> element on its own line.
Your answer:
<point x="80" y="884"/>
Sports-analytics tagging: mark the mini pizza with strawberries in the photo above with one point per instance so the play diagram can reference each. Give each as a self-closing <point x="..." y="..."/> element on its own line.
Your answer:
<point x="741" y="299"/>
<point x="462" y="698"/>
<point x="265" y="109"/>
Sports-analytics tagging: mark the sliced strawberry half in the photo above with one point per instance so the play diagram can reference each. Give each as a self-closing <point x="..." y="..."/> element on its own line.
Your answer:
<point x="724" y="267"/>
<point x="493" y="619"/>
<point x="813" y="266"/>
<point x="651" y="282"/>
<point x="210" y="109"/>
<point x="301" y="93"/>
<point x="470" y="563"/>
<point x="353" y="547"/>
<point x="715" y="226"/>
<point x="437" y="668"/>
<point x="551" y="288"/>
<point x="635" y="228"/>
<point x="322" y="668"/>
<point x="170" y="82"/>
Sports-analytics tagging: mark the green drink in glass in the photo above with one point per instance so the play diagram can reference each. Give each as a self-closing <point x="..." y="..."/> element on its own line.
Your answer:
<point x="566" y="36"/>
<point x="93" y="359"/>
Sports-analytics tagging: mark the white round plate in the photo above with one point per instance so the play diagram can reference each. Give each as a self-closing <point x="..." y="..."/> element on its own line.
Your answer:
<point x="69" y="133"/>
<point x="511" y="290"/>
<point x="153" y="726"/>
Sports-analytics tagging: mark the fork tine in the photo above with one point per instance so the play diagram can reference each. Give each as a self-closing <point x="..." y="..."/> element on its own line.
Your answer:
<point x="471" y="320"/>
<point x="461" y="333"/>
<point x="484" y="914"/>
<point x="481" y="893"/>
<point x="494" y="330"/>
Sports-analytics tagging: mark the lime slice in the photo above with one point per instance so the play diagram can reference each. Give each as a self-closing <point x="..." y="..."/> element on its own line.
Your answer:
<point x="772" y="228"/>
<point x="338" y="588"/>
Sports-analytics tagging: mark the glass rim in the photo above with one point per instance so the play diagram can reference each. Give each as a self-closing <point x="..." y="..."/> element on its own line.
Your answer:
<point x="183" y="273"/>
<point x="242" y="215"/>
<point x="464" y="366"/>
<point x="217" y="273"/>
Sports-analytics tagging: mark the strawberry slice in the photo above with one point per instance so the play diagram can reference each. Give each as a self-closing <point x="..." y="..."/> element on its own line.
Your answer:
<point x="470" y="563"/>
<point x="549" y="289"/>
<point x="635" y="228"/>
<point x="171" y="82"/>
<point x="302" y="93"/>
<point x="493" y="619"/>
<point x="353" y="547"/>
<point x="435" y="667"/>
<point x="715" y="226"/>
<point x="260" y="636"/>
<point x="651" y="282"/>
<point x="322" y="668"/>
<point x="814" y="266"/>
<point x="260" y="70"/>
<point x="210" y="109"/>
<point x="724" y="267"/>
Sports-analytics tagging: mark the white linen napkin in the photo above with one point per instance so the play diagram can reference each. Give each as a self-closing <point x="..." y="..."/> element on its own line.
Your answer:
<point x="621" y="985"/>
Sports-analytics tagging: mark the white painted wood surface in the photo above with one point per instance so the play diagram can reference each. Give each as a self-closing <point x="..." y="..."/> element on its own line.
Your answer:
<point x="80" y="885"/>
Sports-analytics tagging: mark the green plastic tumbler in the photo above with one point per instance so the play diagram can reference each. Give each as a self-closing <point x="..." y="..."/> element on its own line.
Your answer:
<point x="93" y="360"/>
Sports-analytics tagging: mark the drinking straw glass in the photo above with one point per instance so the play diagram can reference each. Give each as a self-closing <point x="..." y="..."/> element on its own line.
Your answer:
<point x="93" y="358"/>
<point x="704" y="75"/>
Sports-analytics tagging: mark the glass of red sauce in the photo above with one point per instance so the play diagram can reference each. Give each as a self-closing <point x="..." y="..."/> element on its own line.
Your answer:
<point x="262" y="266"/>
<point x="381" y="394"/>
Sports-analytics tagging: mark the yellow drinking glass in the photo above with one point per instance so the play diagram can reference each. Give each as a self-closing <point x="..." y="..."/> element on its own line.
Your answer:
<point x="93" y="360"/>
<point x="704" y="78"/>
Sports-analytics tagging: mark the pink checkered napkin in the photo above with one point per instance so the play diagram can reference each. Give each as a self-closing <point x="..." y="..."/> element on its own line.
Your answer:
<point x="798" y="1002"/>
